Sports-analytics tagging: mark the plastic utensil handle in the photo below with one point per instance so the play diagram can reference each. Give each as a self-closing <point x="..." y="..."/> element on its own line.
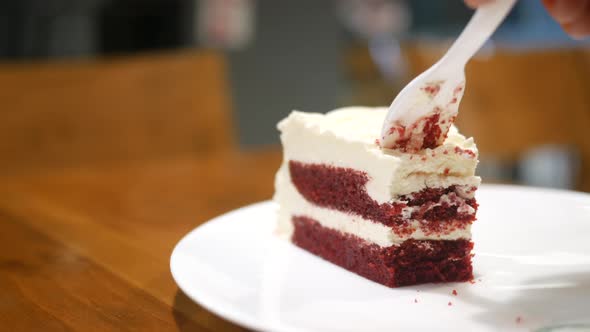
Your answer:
<point x="480" y="28"/>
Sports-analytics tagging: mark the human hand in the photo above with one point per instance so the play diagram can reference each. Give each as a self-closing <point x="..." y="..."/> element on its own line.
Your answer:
<point x="572" y="15"/>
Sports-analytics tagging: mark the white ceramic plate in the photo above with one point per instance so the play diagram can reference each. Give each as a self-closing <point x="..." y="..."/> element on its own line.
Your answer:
<point x="532" y="270"/>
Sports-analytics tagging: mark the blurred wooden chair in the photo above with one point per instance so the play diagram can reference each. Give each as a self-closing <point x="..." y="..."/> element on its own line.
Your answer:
<point x="518" y="100"/>
<point x="71" y="113"/>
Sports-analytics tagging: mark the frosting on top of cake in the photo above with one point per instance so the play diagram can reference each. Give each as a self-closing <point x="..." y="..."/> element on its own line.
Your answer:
<point x="360" y="125"/>
<point x="347" y="138"/>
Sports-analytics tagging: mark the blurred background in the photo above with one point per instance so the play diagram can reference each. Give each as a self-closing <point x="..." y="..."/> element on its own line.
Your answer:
<point x="95" y="81"/>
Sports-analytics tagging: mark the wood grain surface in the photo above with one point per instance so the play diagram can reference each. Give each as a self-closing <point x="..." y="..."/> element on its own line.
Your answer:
<point x="87" y="248"/>
<point x="134" y="107"/>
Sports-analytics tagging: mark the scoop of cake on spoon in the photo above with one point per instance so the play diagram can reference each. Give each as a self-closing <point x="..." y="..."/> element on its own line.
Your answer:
<point x="422" y="113"/>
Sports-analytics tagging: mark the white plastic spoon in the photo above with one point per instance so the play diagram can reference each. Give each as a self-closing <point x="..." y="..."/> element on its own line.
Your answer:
<point x="422" y="113"/>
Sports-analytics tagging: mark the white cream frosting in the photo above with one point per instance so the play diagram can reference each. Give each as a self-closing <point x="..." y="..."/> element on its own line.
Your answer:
<point x="347" y="138"/>
<point x="292" y="203"/>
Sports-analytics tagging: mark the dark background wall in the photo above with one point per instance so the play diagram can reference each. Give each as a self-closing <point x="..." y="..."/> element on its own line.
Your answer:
<point x="293" y="63"/>
<point x="290" y="64"/>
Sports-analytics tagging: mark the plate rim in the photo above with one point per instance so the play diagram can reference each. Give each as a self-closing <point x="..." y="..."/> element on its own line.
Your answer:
<point x="246" y="321"/>
<point x="203" y="300"/>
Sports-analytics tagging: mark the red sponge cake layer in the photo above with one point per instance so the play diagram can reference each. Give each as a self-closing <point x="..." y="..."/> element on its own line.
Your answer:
<point x="344" y="189"/>
<point x="412" y="262"/>
<point x="442" y="209"/>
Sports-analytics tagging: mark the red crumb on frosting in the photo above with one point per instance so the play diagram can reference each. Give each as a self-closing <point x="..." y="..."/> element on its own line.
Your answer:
<point x="518" y="319"/>
<point x="425" y="133"/>
<point x="411" y="262"/>
<point x="344" y="189"/>
<point x="446" y="172"/>
<point x="455" y="292"/>
<point x="432" y="131"/>
<point x="465" y="152"/>
<point x="400" y="130"/>
<point x="415" y="300"/>
<point x="408" y="140"/>
<point x="450" y="304"/>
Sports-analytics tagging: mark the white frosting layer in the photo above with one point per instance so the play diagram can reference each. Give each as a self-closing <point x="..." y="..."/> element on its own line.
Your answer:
<point x="346" y="138"/>
<point x="292" y="203"/>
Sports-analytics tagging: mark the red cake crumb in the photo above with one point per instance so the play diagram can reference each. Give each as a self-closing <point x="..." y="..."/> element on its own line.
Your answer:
<point x="432" y="131"/>
<point x="450" y="304"/>
<point x="455" y="292"/>
<point x="408" y="139"/>
<point x="518" y="320"/>
<point x="344" y="189"/>
<point x="415" y="300"/>
<point x="427" y="132"/>
<point x="465" y="152"/>
<point x="412" y="262"/>
<point x="400" y="130"/>
<point x="431" y="88"/>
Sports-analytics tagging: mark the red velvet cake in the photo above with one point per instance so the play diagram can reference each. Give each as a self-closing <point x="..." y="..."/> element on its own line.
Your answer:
<point x="392" y="216"/>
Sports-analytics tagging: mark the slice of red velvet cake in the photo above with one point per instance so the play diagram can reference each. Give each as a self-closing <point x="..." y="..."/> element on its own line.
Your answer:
<point x="394" y="217"/>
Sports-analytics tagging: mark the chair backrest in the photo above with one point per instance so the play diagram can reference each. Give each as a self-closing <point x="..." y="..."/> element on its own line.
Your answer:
<point x="116" y="109"/>
<point x="518" y="100"/>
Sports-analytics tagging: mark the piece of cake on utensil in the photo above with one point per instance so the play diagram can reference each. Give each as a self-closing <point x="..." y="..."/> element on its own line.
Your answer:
<point x="394" y="217"/>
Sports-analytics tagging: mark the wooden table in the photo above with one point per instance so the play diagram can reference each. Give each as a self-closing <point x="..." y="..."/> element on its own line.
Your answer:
<point x="88" y="249"/>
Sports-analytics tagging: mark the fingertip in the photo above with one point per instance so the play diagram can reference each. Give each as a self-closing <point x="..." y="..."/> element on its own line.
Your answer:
<point x="577" y="30"/>
<point x="549" y="4"/>
<point x="473" y="4"/>
<point x="566" y="11"/>
<point x="580" y="27"/>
